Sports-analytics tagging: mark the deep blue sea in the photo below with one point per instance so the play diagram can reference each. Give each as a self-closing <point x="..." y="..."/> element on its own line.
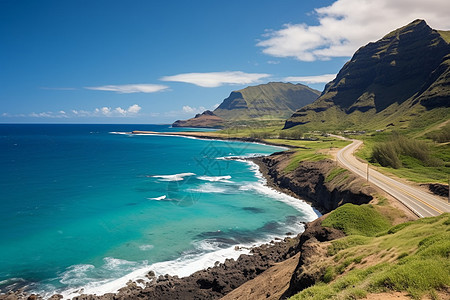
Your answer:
<point x="88" y="206"/>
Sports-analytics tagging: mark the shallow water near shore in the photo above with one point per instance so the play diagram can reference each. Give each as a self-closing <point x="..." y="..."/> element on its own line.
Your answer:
<point x="85" y="206"/>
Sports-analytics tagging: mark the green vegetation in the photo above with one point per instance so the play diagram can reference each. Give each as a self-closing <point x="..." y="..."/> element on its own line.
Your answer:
<point x="445" y="35"/>
<point x="409" y="155"/>
<point x="312" y="150"/>
<point x="412" y="257"/>
<point x="362" y="220"/>
<point x="335" y="172"/>
<point x="389" y="154"/>
<point x="348" y="242"/>
<point x="441" y="135"/>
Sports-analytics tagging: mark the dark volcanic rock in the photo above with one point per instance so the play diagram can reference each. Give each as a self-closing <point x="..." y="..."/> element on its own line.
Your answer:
<point x="308" y="181"/>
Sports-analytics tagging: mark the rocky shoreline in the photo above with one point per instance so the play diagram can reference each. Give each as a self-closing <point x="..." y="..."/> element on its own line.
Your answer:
<point x="309" y="182"/>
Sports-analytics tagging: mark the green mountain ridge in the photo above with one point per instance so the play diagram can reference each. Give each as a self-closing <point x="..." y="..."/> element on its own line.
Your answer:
<point x="396" y="81"/>
<point x="274" y="100"/>
<point x="270" y="101"/>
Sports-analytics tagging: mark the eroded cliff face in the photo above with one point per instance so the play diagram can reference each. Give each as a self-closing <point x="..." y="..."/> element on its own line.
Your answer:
<point x="311" y="248"/>
<point x="314" y="182"/>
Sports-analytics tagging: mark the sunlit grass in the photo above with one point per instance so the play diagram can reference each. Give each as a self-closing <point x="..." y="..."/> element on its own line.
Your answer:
<point x="412" y="257"/>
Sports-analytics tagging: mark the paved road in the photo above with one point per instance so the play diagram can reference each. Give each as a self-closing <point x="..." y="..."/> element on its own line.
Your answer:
<point x="423" y="204"/>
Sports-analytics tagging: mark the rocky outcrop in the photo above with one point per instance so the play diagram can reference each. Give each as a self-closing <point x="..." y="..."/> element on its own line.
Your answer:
<point x="310" y="251"/>
<point x="312" y="181"/>
<point x="207" y="119"/>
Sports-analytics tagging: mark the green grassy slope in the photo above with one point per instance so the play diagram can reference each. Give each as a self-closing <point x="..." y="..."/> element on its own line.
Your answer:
<point x="412" y="257"/>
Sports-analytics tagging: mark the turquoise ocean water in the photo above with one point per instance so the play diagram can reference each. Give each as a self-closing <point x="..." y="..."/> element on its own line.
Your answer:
<point x="86" y="206"/>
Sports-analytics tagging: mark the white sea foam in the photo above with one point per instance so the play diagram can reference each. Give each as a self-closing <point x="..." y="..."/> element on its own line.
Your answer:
<point x="116" y="264"/>
<point x="182" y="267"/>
<point x="215" y="178"/>
<point x="262" y="188"/>
<point x="158" y="198"/>
<point x="146" y="247"/>
<point x="76" y="274"/>
<point x="207" y="245"/>
<point x="238" y="157"/>
<point x="174" y="177"/>
<point x="300" y="205"/>
<point x="118" y="132"/>
<point x="209" y="188"/>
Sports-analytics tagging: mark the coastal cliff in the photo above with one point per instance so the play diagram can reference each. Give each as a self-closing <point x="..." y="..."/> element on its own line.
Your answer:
<point x="322" y="183"/>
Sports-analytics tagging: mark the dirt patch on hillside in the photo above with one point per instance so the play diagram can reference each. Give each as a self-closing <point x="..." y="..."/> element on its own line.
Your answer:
<point x="269" y="285"/>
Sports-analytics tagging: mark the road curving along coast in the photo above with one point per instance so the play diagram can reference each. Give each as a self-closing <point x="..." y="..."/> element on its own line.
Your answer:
<point x="423" y="204"/>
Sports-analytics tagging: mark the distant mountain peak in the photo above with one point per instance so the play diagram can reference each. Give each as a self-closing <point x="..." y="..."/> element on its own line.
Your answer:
<point x="270" y="101"/>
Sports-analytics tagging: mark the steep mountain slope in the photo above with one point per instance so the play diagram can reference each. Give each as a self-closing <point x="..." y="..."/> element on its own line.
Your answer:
<point x="395" y="81"/>
<point x="271" y="101"/>
<point x="274" y="100"/>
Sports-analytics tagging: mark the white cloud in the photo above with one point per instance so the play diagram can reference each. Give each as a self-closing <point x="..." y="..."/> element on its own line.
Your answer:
<point x="121" y="111"/>
<point x="48" y="114"/>
<point x="325" y="78"/>
<point x="193" y="110"/>
<point x="347" y="25"/>
<point x="215" y="79"/>
<point x="105" y="111"/>
<point x="130" y="88"/>
<point x="134" y="109"/>
<point x="188" y="111"/>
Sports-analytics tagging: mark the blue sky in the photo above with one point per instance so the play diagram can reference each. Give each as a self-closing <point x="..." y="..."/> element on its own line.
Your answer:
<point x="158" y="61"/>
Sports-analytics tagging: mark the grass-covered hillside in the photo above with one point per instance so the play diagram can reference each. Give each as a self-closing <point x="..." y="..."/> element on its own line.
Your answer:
<point x="401" y="79"/>
<point x="376" y="257"/>
<point x="274" y="100"/>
